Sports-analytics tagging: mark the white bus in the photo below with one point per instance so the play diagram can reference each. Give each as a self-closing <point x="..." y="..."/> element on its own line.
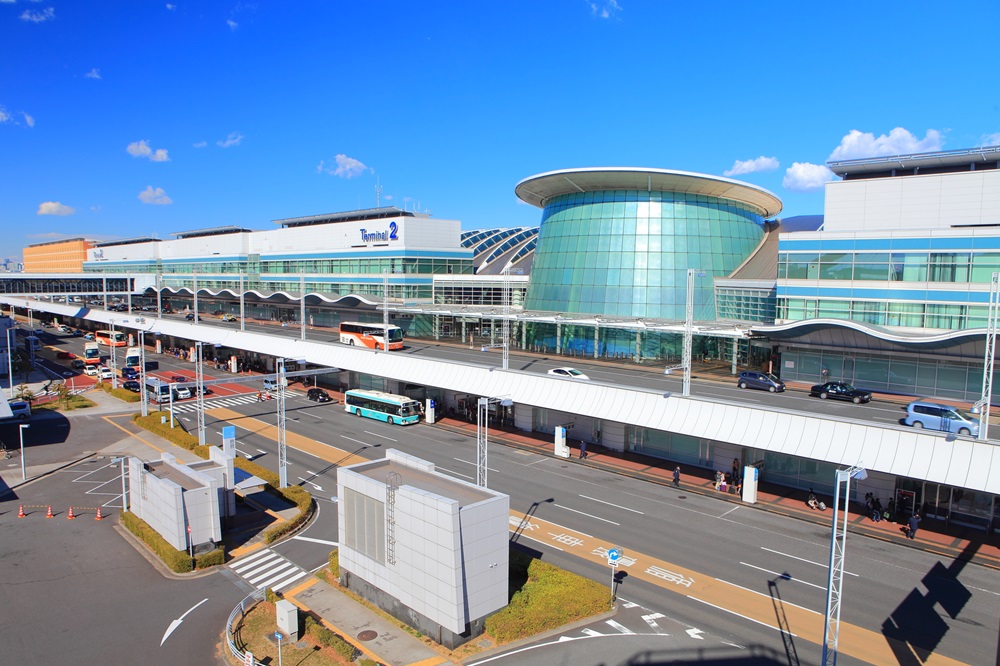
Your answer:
<point x="371" y="335"/>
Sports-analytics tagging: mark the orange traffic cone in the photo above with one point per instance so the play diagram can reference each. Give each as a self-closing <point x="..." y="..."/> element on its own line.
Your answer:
<point x="20" y="511"/>
<point x="70" y="515"/>
<point x="49" y="513"/>
<point x="98" y="516"/>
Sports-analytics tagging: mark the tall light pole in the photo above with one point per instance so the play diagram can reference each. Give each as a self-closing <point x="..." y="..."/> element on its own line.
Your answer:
<point x="385" y="310"/>
<point x="114" y="356"/>
<point x="20" y="430"/>
<point x="142" y="375"/>
<point x="282" y="446"/>
<point x="243" y="325"/>
<point x="483" y="435"/>
<point x="983" y="404"/>
<point x="835" y="582"/>
<point x="10" y="362"/>
<point x="199" y="378"/>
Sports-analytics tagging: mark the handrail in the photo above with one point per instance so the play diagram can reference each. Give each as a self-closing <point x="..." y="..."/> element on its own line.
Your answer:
<point x="256" y="597"/>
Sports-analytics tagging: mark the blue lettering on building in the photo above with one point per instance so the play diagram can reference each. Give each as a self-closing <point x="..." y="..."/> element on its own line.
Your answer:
<point x="384" y="236"/>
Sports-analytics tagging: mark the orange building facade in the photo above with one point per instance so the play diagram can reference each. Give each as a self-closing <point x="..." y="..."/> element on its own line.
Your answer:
<point x="63" y="256"/>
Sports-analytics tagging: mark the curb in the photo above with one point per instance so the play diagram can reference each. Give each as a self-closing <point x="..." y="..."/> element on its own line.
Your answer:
<point x="59" y="466"/>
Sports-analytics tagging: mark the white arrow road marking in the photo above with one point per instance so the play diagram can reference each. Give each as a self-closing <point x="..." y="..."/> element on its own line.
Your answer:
<point x="176" y="623"/>
<point x="693" y="633"/>
<point x="311" y="484"/>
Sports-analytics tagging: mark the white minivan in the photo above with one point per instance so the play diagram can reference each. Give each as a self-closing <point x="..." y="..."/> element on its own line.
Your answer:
<point x="20" y="410"/>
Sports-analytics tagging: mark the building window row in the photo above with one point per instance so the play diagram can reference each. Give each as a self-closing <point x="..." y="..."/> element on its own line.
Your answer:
<point x="883" y="313"/>
<point x="361" y="266"/>
<point x="961" y="267"/>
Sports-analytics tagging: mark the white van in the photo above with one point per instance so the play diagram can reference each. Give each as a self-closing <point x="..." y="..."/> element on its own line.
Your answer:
<point x="20" y="410"/>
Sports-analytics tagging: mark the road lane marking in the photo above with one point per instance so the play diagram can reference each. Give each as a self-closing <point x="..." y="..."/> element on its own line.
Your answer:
<point x="801" y="559"/>
<point x="375" y="434"/>
<point x="745" y="617"/>
<point x="566" y="508"/>
<point x="356" y="441"/>
<point x="785" y="603"/>
<point x="786" y="576"/>
<point x="442" y="469"/>
<point x="617" y="506"/>
<point x="729" y="512"/>
<point x="311" y="540"/>
<point x="466" y="462"/>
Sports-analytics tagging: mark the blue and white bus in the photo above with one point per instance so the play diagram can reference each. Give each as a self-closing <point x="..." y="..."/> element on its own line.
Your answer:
<point x="386" y="407"/>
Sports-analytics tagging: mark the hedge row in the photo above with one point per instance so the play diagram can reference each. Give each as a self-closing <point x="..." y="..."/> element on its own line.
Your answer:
<point x="335" y="563"/>
<point x="328" y="638"/>
<point x="177" y="560"/>
<point x="550" y="598"/>
<point x="210" y="559"/>
<point x="176" y="435"/>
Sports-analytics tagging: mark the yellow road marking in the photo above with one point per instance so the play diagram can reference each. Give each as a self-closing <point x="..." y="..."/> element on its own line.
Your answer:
<point x="869" y="646"/>
<point x="245" y="550"/>
<point x="300" y="587"/>
<point x="129" y="432"/>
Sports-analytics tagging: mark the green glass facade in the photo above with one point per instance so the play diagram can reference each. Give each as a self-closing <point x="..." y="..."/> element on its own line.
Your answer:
<point x="626" y="253"/>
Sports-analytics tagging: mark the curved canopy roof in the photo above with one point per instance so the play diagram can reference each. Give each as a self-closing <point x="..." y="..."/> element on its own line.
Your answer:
<point x="538" y="190"/>
<point x="852" y="334"/>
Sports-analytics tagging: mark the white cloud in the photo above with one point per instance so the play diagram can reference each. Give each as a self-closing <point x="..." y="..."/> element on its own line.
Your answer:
<point x="233" y="25"/>
<point x="154" y="196"/>
<point x="604" y="10"/>
<point x="991" y="140"/>
<point x="899" y="141"/>
<point x="28" y="120"/>
<point x="750" y="166"/>
<point x="42" y="16"/>
<point x="94" y="73"/>
<point x="4" y="116"/>
<point x="347" y="167"/>
<point x="200" y="144"/>
<point x="54" y="208"/>
<point x="806" y="177"/>
<point x="171" y="7"/>
<point x="233" y="139"/>
<point x="142" y="149"/>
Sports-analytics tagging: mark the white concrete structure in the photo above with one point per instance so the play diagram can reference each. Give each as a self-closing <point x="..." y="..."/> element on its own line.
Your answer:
<point x="427" y="548"/>
<point x="170" y="497"/>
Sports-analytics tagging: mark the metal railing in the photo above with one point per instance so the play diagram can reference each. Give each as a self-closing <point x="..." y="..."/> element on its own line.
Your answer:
<point x="236" y="617"/>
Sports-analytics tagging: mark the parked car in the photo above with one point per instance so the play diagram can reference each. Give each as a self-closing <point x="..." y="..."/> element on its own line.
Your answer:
<point x="570" y="373"/>
<point x="78" y="364"/>
<point x="841" y="391"/>
<point x="228" y="317"/>
<point x="65" y="354"/>
<point x="936" y="416"/>
<point x="65" y="329"/>
<point x="760" y="380"/>
<point x="105" y="372"/>
<point x="130" y="373"/>
<point x="77" y="333"/>
<point x="182" y="393"/>
<point x="318" y="395"/>
<point x="189" y="316"/>
<point x="131" y="385"/>
<point x="20" y="410"/>
<point x="91" y="371"/>
<point x="177" y="379"/>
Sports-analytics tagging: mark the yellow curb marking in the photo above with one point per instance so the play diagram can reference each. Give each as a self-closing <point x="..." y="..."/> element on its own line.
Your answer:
<point x="245" y="550"/>
<point x="322" y="451"/>
<point x="129" y="432"/>
<point x="869" y="646"/>
<point x="430" y="661"/>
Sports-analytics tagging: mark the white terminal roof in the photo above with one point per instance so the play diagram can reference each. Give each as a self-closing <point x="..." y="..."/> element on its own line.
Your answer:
<point x="538" y="190"/>
<point x="946" y="158"/>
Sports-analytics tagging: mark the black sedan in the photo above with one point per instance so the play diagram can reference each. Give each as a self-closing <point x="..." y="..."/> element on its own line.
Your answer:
<point x="318" y="395"/>
<point x="131" y="385"/>
<point x="841" y="391"/>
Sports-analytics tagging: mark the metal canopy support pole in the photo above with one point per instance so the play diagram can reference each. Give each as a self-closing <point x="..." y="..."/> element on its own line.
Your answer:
<point x="558" y="338"/>
<point x="159" y="296"/>
<point x="242" y="304"/>
<point x="114" y="357"/>
<point x="988" y="353"/>
<point x="128" y="290"/>
<point x="597" y="340"/>
<point x="302" y="306"/>
<point x="835" y="582"/>
<point x="199" y="378"/>
<point x="638" y="345"/>
<point x="194" y="288"/>
<point x="385" y="310"/>
<point x="10" y="361"/>
<point x="506" y="317"/>
<point x="104" y="293"/>
<point x="282" y="447"/>
<point x="482" y="437"/>
<point x="688" y="332"/>
<point x="736" y="346"/>
<point x="142" y="380"/>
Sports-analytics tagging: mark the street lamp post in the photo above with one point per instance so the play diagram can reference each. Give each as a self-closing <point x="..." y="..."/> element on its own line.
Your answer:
<point x="282" y="441"/>
<point x="835" y="582"/>
<point x="114" y="357"/>
<point x="20" y="431"/>
<point x="142" y="373"/>
<point x="483" y="435"/>
<point x="10" y="362"/>
<point x="982" y="406"/>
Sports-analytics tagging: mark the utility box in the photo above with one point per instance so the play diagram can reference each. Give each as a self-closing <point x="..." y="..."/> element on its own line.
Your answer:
<point x="561" y="447"/>
<point x="288" y="619"/>
<point x="431" y="411"/>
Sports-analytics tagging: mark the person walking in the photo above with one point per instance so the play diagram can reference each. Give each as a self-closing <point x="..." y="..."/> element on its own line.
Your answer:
<point x="677" y="476"/>
<point x="913" y="525"/>
<point x="583" y="449"/>
<point x="260" y="396"/>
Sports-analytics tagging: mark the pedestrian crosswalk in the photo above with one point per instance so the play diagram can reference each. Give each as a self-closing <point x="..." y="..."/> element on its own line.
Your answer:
<point x="267" y="569"/>
<point x="212" y="403"/>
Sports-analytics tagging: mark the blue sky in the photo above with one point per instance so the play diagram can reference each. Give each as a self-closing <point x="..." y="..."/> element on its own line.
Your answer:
<point x="127" y="118"/>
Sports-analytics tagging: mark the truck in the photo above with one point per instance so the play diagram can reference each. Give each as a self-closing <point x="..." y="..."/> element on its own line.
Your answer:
<point x="91" y="353"/>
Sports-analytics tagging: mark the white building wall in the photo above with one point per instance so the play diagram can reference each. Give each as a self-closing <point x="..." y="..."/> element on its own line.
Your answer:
<point x="206" y="247"/>
<point x="158" y="502"/>
<point x="411" y="233"/>
<point x="937" y="201"/>
<point x="485" y="548"/>
<point x="134" y="252"/>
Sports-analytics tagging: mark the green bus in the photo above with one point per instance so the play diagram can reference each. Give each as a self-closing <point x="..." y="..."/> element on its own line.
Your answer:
<point x="386" y="407"/>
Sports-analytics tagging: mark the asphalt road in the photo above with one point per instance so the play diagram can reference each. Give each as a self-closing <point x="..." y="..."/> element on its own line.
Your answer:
<point x="732" y="550"/>
<point x="74" y="591"/>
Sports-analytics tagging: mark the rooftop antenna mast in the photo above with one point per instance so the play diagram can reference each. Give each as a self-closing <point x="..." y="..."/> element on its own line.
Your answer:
<point x="378" y="193"/>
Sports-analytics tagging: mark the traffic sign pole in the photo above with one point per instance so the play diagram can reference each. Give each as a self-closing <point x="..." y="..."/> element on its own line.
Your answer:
<point x="614" y="554"/>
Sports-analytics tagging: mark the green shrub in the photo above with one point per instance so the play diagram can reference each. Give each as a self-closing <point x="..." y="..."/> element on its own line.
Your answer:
<point x="335" y="563"/>
<point x="368" y="662"/>
<point x="176" y="435"/>
<point x="271" y="596"/>
<point x="346" y="651"/>
<point x="124" y="395"/>
<point x="210" y="559"/>
<point x="177" y="560"/>
<point x="329" y="639"/>
<point x="550" y="597"/>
